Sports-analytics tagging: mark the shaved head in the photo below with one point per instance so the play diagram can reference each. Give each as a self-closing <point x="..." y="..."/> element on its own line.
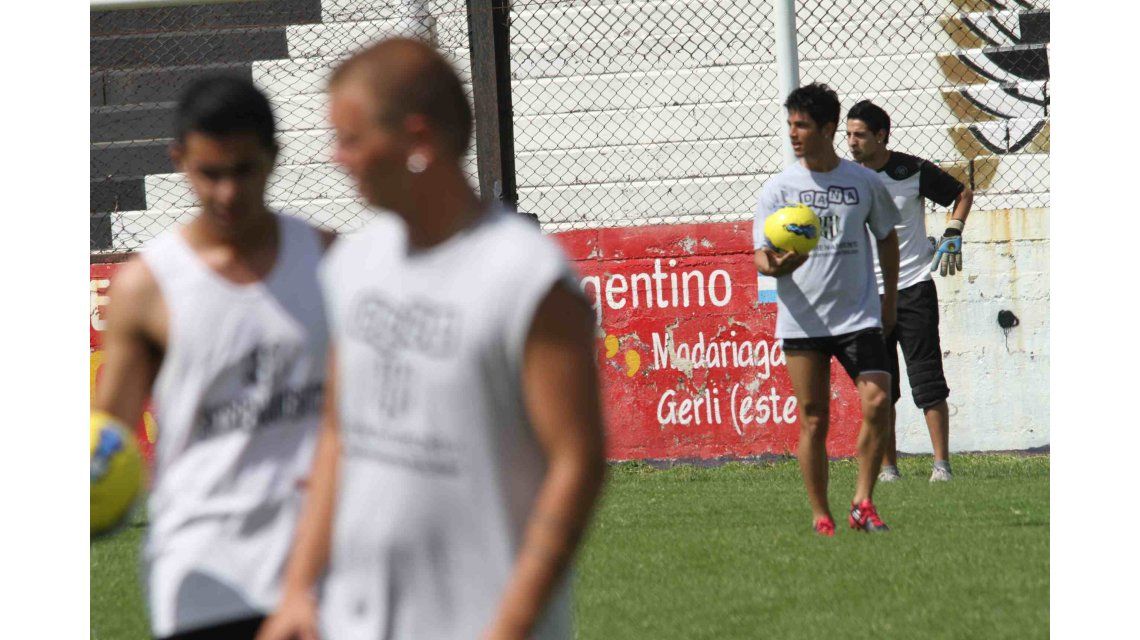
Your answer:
<point x="405" y="77"/>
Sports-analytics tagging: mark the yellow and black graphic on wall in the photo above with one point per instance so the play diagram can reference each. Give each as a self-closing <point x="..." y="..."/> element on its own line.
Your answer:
<point x="1000" y="75"/>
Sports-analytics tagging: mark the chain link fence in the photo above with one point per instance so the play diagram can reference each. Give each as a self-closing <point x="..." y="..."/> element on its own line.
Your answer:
<point x="643" y="113"/>
<point x="668" y="112"/>
<point x="625" y="113"/>
<point x="966" y="83"/>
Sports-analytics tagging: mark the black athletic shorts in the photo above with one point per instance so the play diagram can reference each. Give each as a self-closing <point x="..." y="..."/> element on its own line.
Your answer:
<point x="916" y="331"/>
<point x="245" y="629"/>
<point x="859" y="352"/>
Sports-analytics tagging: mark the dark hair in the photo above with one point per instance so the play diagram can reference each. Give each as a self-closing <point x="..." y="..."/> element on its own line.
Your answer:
<point x="818" y="101"/>
<point x="873" y="115"/>
<point x="224" y="105"/>
<point x="424" y="83"/>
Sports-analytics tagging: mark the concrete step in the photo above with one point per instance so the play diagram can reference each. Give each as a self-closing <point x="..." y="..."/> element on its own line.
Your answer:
<point x="138" y="86"/>
<point x="142" y="122"/>
<point x="129" y="159"/>
<point x="121" y="194"/>
<point x="188" y="48"/>
<point x="262" y="13"/>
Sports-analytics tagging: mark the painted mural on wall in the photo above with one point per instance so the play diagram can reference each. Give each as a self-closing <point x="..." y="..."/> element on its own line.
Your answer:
<point x="690" y="367"/>
<point x="1002" y="69"/>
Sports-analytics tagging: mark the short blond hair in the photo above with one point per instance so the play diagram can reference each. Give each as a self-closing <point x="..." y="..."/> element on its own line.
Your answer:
<point x="407" y="77"/>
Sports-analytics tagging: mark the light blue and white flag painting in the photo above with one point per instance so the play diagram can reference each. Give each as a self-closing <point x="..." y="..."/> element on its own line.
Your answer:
<point x="765" y="289"/>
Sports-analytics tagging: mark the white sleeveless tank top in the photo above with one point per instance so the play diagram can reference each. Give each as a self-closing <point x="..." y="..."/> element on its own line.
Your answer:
<point x="440" y="466"/>
<point x="237" y="402"/>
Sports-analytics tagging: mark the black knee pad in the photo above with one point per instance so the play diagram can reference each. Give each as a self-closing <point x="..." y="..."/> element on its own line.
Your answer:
<point x="927" y="383"/>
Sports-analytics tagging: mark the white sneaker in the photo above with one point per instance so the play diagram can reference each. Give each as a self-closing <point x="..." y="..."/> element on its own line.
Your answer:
<point x="889" y="474"/>
<point x="941" y="474"/>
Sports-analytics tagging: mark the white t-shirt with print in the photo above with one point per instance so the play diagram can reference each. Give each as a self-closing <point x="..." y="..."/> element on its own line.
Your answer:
<point x="911" y="181"/>
<point x="834" y="291"/>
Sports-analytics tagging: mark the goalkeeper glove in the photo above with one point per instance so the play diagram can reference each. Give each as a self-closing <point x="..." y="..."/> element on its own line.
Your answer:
<point x="948" y="257"/>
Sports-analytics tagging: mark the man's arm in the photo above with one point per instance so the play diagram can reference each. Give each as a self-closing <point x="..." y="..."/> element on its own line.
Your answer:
<point x="296" y="615"/>
<point x="943" y="189"/>
<point x="133" y="343"/>
<point x="889" y="264"/>
<point x="560" y="388"/>
<point x="882" y="220"/>
<point x="962" y="204"/>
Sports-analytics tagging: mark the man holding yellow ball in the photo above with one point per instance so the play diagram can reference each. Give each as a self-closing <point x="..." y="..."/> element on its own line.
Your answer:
<point x="828" y="303"/>
<point x="221" y="322"/>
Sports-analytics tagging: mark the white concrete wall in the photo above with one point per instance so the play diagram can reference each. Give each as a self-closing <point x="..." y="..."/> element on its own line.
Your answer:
<point x="999" y="383"/>
<point x="667" y="85"/>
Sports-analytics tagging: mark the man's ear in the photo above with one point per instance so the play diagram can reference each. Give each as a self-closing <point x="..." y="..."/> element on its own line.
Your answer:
<point x="423" y="137"/>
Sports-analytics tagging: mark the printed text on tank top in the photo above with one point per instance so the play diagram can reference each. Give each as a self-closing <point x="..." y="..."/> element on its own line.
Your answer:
<point x="264" y="398"/>
<point x="401" y="334"/>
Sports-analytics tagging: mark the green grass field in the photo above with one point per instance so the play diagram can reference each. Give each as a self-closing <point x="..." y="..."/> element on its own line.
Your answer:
<point x="726" y="552"/>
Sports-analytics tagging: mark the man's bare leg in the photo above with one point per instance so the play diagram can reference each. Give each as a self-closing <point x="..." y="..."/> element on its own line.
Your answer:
<point x="810" y="372"/>
<point x="889" y="472"/>
<point x="890" y="452"/>
<point x="875" y="402"/>
<point x="938" y="423"/>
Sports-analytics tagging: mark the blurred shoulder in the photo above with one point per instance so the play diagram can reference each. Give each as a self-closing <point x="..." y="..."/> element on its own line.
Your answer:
<point x="855" y="169"/>
<point x="518" y="237"/>
<point x="382" y="231"/>
<point x="133" y="280"/>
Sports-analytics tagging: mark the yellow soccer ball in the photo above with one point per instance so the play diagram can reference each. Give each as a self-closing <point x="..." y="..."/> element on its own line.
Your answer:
<point x="116" y="472"/>
<point x="793" y="228"/>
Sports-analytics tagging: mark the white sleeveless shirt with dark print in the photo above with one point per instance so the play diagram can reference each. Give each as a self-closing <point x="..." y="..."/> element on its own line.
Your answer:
<point x="237" y="402"/>
<point x="440" y="466"/>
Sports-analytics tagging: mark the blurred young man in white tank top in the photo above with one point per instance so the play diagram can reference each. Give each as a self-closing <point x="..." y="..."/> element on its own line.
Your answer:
<point x="221" y="322"/>
<point x="463" y="451"/>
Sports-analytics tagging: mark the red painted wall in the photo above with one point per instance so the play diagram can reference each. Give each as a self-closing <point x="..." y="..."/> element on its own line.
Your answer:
<point x="731" y="396"/>
<point x="702" y="380"/>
